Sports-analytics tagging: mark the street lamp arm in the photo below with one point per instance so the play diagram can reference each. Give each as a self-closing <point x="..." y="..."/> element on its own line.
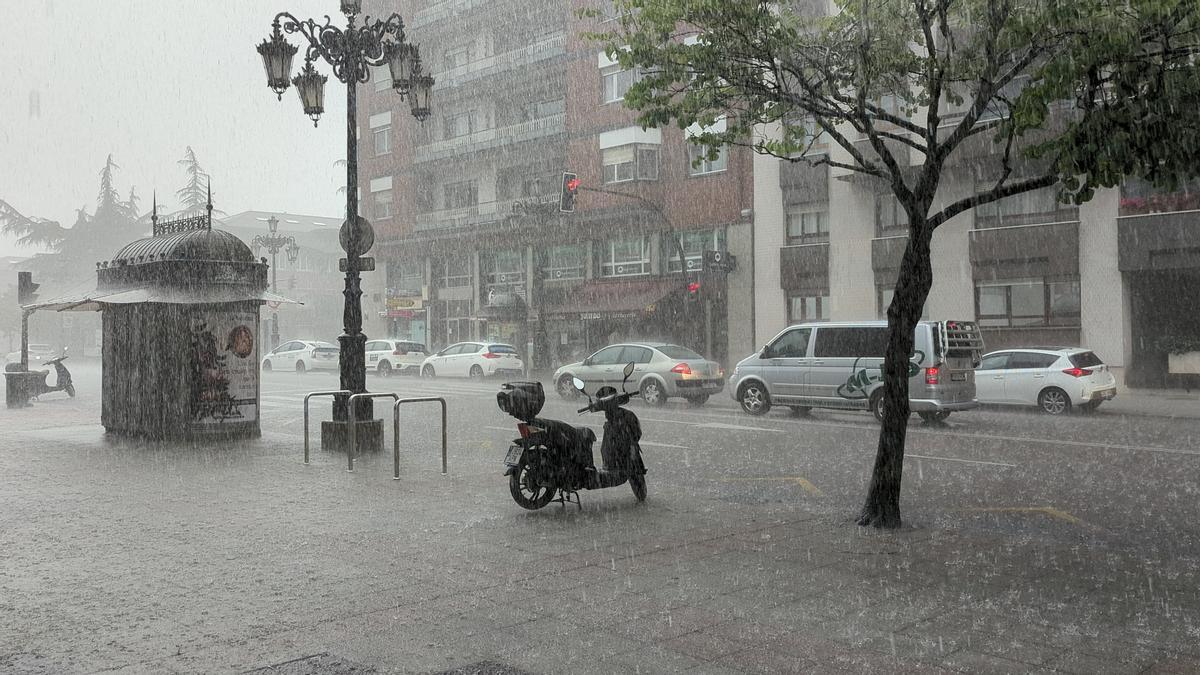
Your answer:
<point x="347" y="51"/>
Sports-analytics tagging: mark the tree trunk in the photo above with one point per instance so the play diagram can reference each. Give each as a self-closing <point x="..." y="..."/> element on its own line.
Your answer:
<point x="882" y="508"/>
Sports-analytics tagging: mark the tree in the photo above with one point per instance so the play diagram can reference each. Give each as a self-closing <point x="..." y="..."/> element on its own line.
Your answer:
<point x="783" y="74"/>
<point x="194" y="195"/>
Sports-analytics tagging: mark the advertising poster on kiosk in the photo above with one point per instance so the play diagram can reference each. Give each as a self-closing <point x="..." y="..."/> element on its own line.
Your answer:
<point x="224" y="362"/>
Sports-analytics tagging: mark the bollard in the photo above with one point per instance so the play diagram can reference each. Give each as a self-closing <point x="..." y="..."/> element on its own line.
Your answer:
<point x="396" y="431"/>
<point x="306" y="397"/>
<point x="353" y="449"/>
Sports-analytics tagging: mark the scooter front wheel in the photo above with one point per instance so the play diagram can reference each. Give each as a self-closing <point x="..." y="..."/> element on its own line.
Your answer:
<point x="525" y="492"/>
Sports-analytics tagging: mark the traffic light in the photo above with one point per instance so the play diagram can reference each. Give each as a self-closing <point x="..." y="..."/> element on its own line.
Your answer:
<point x="570" y="185"/>
<point x="693" y="289"/>
<point x="26" y="288"/>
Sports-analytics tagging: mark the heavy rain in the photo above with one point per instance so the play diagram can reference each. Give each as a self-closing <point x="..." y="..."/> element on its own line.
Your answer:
<point x="600" y="336"/>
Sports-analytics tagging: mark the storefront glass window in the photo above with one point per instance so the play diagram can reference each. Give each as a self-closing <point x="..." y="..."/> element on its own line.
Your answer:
<point x="694" y="245"/>
<point x="625" y="257"/>
<point x="565" y="262"/>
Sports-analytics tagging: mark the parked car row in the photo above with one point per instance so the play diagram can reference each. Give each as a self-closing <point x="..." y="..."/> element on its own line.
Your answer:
<point x="385" y="357"/>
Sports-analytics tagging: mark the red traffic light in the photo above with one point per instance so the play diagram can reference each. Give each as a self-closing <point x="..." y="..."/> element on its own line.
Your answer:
<point x="694" y="287"/>
<point x="573" y="184"/>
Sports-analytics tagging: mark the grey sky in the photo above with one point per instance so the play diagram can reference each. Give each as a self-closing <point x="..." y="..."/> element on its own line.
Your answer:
<point x="143" y="79"/>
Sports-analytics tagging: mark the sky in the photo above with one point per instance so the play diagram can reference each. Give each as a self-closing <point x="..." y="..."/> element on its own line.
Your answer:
<point x="143" y="80"/>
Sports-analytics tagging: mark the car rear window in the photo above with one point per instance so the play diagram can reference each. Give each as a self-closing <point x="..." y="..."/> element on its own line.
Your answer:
<point x="501" y="349"/>
<point x="677" y="352"/>
<point x="324" y="345"/>
<point x="1085" y="360"/>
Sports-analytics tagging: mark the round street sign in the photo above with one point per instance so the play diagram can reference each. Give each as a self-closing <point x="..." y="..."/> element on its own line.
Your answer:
<point x="364" y="233"/>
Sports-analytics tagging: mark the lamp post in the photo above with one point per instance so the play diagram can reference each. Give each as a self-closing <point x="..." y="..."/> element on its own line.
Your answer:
<point x="349" y="51"/>
<point x="274" y="243"/>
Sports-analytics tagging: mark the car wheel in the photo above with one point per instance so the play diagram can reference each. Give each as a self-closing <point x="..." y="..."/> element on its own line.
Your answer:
<point x="1054" y="401"/>
<point x="476" y="373"/>
<point x="566" y="388"/>
<point x="697" y="401"/>
<point x="754" y="398"/>
<point x="876" y="404"/>
<point x="933" y="417"/>
<point x="652" y="393"/>
<point x="300" y="369"/>
<point x="267" y="366"/>
<point x="428" y="372"/>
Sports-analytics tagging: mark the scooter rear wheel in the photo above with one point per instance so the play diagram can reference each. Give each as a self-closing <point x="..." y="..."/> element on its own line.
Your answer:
<point x="527" y="494"/>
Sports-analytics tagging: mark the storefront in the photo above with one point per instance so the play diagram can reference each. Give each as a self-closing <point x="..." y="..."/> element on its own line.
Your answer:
<point x="583" y="318"/>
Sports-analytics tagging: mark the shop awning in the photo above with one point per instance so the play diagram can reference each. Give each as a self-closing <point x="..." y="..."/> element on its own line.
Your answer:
<point x="95" y="301"/>
<point x="595" y="299"/>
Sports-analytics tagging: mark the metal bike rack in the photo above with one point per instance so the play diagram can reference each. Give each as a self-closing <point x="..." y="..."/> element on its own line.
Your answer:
<point x="306" y="397"/>
<point x="353" y="449"/>
<point x="396" y="431"/>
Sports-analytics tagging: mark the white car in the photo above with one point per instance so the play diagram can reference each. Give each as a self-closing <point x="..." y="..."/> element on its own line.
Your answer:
<point x="37" y="354"/>
<point x="395" y="356"/>
<point x="302" y="356"/>
<point x="474" y="359"/>
<point x="1053" y="379"/>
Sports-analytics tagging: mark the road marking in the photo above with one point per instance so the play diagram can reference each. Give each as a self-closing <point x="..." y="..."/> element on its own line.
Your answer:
<point x="803" y="482"/>
<point x="1050" y="511"/>
<point x="956" y="459"/>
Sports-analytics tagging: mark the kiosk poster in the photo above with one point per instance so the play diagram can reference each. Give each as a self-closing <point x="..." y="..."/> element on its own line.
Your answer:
<point x="224" y="368"/>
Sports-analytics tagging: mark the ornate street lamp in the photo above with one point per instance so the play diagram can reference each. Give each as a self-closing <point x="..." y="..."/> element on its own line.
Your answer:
<point x="274" y="243"/>
<point x="350" y="52"/>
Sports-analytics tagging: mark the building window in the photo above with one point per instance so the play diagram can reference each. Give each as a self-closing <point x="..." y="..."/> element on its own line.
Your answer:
<point x="406" y="277"/>
<point x="617" y="82"/>
<point x="461" y="195"/>
<point x="383" y="203"/>
<point x="625" y="257"/>
<point x="804" y="308"/>
<point x="630" y="162"/>
<point x="456" y="271"/>
<point x="457" y="56"/>
<point x="807" y="226"/>
<point x="883" y="300"/>
<point x="381" y="76"/>
<point x="1028" y="208"/>
<point x="459" y="124"/>
<point x="694" y="245"/>
<point x="565" y="262"/>
<point x="1027" y="302"/>
<point x="705" y="166"/>
<point x="383" y="140"/>
<point x="890" y="217"/>
<point x="503" y="268"/>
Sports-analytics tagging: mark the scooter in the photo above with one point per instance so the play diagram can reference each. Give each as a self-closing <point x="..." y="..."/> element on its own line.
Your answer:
<point x="553" y="461"/>
<point x="62" y="380"/>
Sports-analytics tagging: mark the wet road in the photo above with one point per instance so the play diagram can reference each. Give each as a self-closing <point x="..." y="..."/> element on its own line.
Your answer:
<point x="1124" y="480"/>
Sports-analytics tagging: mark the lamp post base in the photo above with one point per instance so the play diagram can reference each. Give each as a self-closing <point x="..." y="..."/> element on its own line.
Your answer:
<point x="335" y="436"/>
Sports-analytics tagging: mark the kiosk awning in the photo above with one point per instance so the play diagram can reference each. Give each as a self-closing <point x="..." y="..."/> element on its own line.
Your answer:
<point x="95" y="301"/>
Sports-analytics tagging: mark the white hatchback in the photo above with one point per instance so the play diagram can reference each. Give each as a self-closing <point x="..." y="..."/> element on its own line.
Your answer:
<point x="1054" y="379"/>
<point x="474" y="359"/>
<point x="395" y="356"/>
<point x="302" y="356"/>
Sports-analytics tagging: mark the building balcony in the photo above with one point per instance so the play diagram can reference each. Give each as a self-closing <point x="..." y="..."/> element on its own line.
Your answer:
<point x="804" y="267"/>
<point x="1025" y="251"/>
<point x="554" y="47"/>
<point x="802" y="181"/>
<point x="1159" y="241"/>
<point x="440" y="11"/>
<point x="545" y="127"/>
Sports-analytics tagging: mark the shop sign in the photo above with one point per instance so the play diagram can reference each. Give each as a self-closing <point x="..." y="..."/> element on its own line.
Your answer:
<point x="409" y="302"/>
<point x="400" y="314"/>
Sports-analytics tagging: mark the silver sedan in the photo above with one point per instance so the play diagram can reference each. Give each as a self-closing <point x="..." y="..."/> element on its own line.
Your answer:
<point x="661" y="371"/>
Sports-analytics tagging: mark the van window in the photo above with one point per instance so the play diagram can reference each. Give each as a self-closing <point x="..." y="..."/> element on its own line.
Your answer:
<point x="791" y="345"/>
<point x="851" y="342"/>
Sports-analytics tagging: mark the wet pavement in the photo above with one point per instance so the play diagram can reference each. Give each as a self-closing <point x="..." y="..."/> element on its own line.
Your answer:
<point x="1033" y="545"/>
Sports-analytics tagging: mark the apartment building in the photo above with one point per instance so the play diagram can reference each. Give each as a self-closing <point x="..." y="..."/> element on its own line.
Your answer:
<point x="472" y="244"/>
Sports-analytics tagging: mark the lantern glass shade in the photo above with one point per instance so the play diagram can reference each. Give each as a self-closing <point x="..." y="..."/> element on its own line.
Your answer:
<point x="310" y="85"/>
<point x="277" y="56"/>
<point x="293" y="252"/>
<point x="273" y="224"/>
<point x="419" y="95"/>
<point x="401" y="58"/>
<point x="350" y="7"/>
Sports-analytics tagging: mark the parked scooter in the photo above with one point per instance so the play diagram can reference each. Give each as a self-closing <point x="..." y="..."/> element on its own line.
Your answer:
<point x="62" y="380"/>
<point x="553" y="461"/>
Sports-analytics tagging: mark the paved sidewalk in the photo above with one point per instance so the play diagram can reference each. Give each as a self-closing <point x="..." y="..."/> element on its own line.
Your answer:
<point x="1159" y="403"/>
<point x="134" y="558"/>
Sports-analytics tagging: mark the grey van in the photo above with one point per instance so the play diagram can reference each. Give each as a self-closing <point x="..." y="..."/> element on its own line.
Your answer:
<point x="840" y="365"/>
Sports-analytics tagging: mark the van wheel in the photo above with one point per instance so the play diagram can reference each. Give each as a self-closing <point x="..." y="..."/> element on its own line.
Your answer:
<point x="934" y="417"/>
<point x="754" y="399"/>
<point x="385" y="369"/>
<point x="1054" y="401"/>
<point x="876" y="404"/>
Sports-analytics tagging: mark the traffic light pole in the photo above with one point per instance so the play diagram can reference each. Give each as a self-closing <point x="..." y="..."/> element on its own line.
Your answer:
<point x="25" y="338"/>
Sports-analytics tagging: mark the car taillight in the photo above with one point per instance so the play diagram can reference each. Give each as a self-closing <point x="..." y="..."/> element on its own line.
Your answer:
<point x="314" y="353"/>
<point x="1077" y="372"/>
<point x="933" y="375"/>
<point x="524" y="429"/>
<point x="682" y="369"/>
<point x="490" y="355"/>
